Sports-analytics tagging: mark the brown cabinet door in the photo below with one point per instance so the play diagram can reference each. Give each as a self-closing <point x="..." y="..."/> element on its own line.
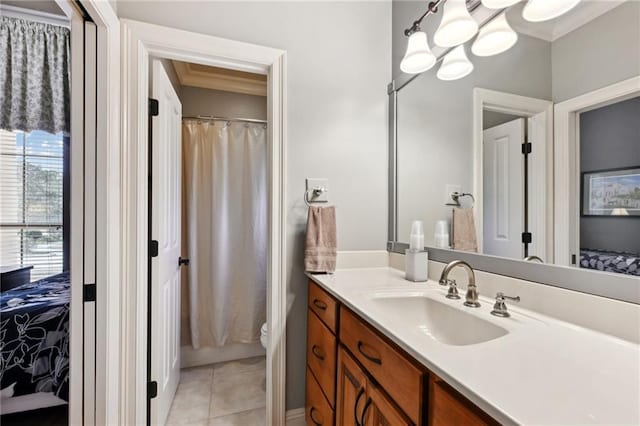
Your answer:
<point x="449" y="408"/>
<point x="351" y="390"/>
<point x="318" y="411"/>
<point x="321" y="355"/>
<point x="378" y="410"/>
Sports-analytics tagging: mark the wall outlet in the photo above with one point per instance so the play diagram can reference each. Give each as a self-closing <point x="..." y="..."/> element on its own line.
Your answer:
<point x="449" y="189"/>
<point x="312" y="183"/>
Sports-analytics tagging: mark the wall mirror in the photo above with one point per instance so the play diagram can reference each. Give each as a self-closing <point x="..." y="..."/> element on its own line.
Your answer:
<point x="538" y="145"/>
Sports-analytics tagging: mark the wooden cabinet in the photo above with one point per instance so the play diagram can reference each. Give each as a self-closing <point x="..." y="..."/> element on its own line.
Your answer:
<point x="318" y="411"/>
<point x="324" y="305"/>
<point x="399" y="375"/>
<point x="360" y="401"/>
<point x="448" y="407"/>
<point x="358" y="377"/>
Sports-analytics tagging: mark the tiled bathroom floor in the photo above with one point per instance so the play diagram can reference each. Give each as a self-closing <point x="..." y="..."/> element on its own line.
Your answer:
<point x="225" y="394"/>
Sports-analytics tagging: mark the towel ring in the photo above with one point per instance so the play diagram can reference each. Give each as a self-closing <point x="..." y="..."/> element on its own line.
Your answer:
<point x="455" y="197"/>
<point x="315" y="193"/>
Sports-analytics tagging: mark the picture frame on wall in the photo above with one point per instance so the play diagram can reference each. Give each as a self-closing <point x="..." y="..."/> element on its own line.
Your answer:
<point x="611" y="193"/>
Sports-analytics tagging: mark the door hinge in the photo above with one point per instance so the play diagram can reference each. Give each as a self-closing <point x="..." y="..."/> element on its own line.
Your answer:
<point x="573" y="259"/>
<point x="527" y="237"/>
<point x="154" y="107"/>
<point x="526" y="148"/>
<point x="152" y="389"/>
<point x="89" y="293"/>
<point x="153" y="248"/>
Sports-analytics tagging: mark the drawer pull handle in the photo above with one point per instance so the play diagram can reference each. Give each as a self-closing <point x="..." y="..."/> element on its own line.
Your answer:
<point x="315" y="422"/>
<point x="320" y="304"/>
<point x="355" y="407"/>
<point x="367" y="356"/>
<point x="364" y="411"/>
<point x="314" y="350"/>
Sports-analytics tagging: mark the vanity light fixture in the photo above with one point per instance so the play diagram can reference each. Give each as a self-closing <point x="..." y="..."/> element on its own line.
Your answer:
<point x="495" y="37"/>
<point x="457" y="26"/>
<point x="455" y="65"/>
<point x="499" y="4"/>
<point x="418" y="57"/>
<point x="544" y="10"/>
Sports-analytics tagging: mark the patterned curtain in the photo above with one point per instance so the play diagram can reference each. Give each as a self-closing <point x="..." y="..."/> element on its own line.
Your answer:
<point x="34" y="76"/>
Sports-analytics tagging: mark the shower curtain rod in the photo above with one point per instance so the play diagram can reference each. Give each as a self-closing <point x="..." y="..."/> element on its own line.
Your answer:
<point x="215" y="118"/>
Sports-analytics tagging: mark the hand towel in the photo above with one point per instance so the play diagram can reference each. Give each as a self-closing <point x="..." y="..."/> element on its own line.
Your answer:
<point x="463" y="229"/>
<point x="321" y="242"/>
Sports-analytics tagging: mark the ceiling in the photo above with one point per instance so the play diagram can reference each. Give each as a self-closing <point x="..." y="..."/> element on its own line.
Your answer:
<point x="45" y="6"/>
<point x="584" y="12"/>
<point x="207" y="77"/>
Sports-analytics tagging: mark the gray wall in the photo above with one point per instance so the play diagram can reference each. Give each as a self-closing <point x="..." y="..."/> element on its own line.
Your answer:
<point x="598" y="54"/>
<point x="197" y="101"/>
<point x="338" y="66"/>
<point x="609" y="139"/>
<point x="435" y="135"/>
<point x="492" y="119"/>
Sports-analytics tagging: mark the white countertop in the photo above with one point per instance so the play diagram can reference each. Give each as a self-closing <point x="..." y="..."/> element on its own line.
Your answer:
<point x="543" y="372"/>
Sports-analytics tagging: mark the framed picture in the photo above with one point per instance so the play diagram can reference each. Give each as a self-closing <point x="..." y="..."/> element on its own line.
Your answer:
<point x="612" y="193"/>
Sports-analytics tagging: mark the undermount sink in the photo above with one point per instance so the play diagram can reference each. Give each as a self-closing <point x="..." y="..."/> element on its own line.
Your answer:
<point x="440" y="321"/>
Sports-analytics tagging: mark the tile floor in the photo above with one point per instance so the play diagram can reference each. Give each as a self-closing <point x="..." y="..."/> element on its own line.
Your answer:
<point x="225" y="394"/>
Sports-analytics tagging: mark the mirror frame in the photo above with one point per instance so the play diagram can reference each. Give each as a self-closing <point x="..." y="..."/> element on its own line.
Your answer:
<point x="621" y="287"/>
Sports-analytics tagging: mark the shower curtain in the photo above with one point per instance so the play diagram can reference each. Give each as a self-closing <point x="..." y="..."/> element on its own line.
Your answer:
<point x="224" y="231"/>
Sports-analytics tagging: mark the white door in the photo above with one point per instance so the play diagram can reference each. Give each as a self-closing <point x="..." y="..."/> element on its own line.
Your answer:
<point x="503" y="168"/>
<point x="165" y="229"/>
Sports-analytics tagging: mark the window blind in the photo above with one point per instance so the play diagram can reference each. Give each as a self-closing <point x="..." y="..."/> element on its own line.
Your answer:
<point x="31" y="201"/>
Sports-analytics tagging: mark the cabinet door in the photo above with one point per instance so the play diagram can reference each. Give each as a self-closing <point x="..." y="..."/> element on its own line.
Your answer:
<point x="378" y="410"/>
<point x="351" y="391"/>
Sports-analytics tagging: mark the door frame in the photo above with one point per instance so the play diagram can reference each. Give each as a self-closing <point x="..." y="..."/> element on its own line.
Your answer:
<point x="106" y="393"/>
<point x="567" y="162"/>
<point x="540" y="166"/>
<point x="139" y="41"/>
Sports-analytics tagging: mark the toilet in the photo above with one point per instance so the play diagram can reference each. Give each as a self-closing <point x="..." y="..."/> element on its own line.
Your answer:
<point x="263" y="335"/>
<point x="263" y="329"/>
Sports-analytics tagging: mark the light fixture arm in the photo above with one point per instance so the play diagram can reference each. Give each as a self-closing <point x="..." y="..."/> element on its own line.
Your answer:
<point x="432" y="8"/>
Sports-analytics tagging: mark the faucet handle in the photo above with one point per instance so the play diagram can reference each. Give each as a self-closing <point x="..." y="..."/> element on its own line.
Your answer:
<point x="453" y="290"/>
<point x="500" y="307"/>
<point x="445" y="281"/>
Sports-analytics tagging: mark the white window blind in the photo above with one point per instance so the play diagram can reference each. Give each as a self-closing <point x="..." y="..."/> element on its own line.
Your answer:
<point x="31" y="201"/>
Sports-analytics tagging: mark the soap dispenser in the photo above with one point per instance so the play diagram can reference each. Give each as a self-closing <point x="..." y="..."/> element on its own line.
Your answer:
<point x="416" y="258"/>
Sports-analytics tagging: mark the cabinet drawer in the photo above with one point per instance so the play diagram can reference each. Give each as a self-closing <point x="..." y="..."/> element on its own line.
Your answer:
<point x="398" y="376"/>
<point x="448" y="407"/>
<point x="324" y="305"/>
<point x="321" y="355"/>
<point x="318" y="412"/>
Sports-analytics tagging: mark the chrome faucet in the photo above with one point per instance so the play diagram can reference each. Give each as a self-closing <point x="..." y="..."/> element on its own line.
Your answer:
<point x="471" y="298"/>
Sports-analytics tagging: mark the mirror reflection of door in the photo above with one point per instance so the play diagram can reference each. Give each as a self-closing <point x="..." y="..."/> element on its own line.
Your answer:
<point x="504" y="201"/>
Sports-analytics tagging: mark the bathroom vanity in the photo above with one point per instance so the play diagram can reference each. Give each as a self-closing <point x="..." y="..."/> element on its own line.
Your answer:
<point x="357" y="376"/>
<point x="383" y="351"/>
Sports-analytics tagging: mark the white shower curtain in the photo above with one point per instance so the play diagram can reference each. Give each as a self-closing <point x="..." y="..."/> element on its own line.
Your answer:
<point x="225" y="210"/>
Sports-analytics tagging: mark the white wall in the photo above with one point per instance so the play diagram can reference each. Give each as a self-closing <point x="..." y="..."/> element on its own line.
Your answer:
<point x="197" y="101"/>
<point x="339" y="60"/>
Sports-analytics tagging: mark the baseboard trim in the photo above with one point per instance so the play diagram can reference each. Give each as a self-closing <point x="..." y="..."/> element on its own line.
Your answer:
<point x="295" y="417"/>
<point x="190" y="357"/>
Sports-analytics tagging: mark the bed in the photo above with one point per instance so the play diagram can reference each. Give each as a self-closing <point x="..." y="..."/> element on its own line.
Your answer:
<point x="610" y="261"/>
<point x="34" y="344"/>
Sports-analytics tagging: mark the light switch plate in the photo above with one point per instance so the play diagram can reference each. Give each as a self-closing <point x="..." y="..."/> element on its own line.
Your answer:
<point x="450" y="188"/>
<point x="318" y="183"/>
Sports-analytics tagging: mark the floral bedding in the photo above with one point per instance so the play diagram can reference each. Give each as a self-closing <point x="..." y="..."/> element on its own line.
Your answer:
<point x="622" y="263"/>
<point x="34" y="338"/>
